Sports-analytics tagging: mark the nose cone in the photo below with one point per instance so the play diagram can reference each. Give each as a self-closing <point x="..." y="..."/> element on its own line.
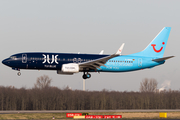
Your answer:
<point x="4" y="62"/>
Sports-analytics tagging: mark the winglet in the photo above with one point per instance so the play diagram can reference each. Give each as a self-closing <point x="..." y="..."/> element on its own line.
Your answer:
<point x="102" y="51"/>
<point x="120" y="50"/>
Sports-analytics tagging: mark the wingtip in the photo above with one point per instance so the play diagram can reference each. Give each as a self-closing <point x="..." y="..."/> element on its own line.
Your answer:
<point x="102" y="51"/>
<point x="120" y="49"/>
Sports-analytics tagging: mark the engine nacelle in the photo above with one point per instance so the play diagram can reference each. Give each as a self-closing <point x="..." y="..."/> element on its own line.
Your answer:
<point x="70" y="68"/>
<point x="63" y="73"/>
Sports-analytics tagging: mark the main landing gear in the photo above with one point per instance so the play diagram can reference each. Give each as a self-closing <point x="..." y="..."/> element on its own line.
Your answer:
<point x="86" y="75"/>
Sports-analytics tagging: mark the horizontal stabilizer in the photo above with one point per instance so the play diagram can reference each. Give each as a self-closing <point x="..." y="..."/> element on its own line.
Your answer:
<point x="161" y="59"/>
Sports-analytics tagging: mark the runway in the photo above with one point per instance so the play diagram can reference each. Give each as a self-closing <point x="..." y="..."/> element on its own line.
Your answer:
<point x="86" y="111"/>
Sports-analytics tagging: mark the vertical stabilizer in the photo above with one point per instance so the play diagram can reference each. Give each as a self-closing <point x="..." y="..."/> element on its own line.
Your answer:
<point x="157" y="47"/>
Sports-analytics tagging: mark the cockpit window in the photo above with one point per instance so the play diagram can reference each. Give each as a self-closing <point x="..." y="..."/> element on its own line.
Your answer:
<point x="13" y="57"/>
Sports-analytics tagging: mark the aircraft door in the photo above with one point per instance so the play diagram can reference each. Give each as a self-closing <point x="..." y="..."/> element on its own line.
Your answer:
<point x="24" y="58"/>
<point x="140" y="62"/>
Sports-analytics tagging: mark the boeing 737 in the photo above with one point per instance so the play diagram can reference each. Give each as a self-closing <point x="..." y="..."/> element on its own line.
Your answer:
<point x="68" y="63"/>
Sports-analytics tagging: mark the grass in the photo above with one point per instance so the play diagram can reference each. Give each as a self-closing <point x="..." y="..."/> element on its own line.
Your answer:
<point x="125" y="115"/>
<point x="33" y="116"/>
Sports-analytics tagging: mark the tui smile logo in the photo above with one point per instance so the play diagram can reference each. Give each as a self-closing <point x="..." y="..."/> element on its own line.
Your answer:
<point x="153" y="45"/>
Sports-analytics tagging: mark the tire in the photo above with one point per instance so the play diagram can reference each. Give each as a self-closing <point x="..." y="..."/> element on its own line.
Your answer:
<point x="84" y="76"/>
<point x="18" y="73"/>
<point x="88" y="75"/>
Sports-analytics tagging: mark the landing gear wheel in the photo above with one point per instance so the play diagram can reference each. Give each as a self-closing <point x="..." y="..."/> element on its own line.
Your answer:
<point x="84" y="76"/>
<point x="87" y="75"/>
<point x="19" y="73"/>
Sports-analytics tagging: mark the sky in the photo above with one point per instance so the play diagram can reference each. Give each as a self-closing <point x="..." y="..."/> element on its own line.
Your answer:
<point x="89" y="26"/>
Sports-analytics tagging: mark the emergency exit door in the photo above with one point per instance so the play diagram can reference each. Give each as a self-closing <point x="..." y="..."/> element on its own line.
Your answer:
<point x="140" y="62"/>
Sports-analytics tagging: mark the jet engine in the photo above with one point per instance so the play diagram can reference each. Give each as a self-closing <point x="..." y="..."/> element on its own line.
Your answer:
<point x="69" y="69"/>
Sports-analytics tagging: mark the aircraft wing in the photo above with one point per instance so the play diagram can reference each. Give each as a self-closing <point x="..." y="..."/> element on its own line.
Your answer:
<point x="94" y="64"/>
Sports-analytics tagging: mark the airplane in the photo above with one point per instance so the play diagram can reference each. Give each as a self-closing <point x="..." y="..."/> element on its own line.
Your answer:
<point x="70" y="63"/>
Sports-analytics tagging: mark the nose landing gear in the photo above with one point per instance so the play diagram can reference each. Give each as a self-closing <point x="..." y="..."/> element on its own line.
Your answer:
<point x="86" y="75"/>
<point x="17" y="69"/>
<point x="19" y="73"/>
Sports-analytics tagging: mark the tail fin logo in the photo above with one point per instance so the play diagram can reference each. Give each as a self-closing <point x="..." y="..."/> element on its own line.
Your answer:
<point x="153" y="45"/>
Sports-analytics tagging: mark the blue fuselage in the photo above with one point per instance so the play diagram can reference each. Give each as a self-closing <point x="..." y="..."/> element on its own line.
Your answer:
<point x="54" y="61"/>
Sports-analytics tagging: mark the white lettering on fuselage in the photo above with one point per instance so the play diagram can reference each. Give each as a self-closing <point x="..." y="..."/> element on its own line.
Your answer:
<point x="120" y="64"/>
<point x="126" y="64"/>
<point x="50" y="66"/>
<point x="54" y="59"/>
